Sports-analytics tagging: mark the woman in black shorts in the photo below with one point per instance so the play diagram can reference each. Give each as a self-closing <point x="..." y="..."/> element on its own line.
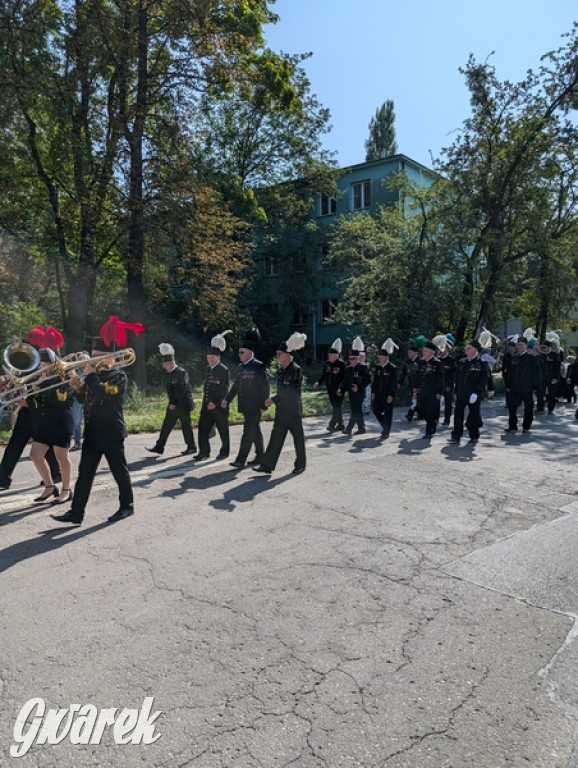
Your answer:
<point x="53" y="427"/>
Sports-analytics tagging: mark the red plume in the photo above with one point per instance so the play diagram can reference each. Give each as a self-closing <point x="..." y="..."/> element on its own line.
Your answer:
<point x="36" y="336"/>
<point x="114" y="330"/>
<point x="53" y="339"/>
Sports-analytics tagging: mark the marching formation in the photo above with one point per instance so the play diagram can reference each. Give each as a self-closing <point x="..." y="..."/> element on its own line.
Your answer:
<point x="44" y="389"/>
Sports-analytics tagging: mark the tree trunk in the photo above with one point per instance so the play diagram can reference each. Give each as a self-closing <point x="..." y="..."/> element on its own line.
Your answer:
<point x="80" y="306"/>
<point x="544" y="281"/>
<point x="467" y="298"/>
<point x="136" y="236"/>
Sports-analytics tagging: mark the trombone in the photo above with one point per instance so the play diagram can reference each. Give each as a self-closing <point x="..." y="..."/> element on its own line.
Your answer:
<point x="43" y="379"/>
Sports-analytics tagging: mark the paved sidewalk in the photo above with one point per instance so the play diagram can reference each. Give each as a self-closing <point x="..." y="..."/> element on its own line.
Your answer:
<point x="400" y="604"/>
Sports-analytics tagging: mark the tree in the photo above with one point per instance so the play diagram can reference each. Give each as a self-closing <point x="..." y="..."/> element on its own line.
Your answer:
<point x="391" y="267"/>
<point x="498" y="165"/>
<point x="93" y="92"/>
<point x="381" y="142"/>
<point x="62" y="138"/>
<point x="266" y="159"/>
<point x="252" y="138"/>
<point x="550" y="271"/>
<point x="169" y="54"/>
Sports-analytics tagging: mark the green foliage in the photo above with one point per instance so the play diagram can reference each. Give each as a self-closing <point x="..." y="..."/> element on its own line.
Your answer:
<point x="381" y="142"/>
<point x="135" y="399"/>
<point x="101" y="120"/>
<point x="391" y="273"/>
<point x="509" y="176"/>
<point x="148" y="415"/>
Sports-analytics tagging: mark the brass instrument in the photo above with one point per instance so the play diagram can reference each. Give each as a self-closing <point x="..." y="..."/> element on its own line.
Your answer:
<point x="20" y="358"/>
<point x="42" y="379"/>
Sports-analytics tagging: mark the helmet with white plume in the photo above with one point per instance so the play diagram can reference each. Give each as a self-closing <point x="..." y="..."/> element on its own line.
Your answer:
<point x="294" y="342"/>
<point x="218" y="343"/>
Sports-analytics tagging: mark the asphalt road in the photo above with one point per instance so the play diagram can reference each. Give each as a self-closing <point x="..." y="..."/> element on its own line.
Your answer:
<point x="402" y="603"/>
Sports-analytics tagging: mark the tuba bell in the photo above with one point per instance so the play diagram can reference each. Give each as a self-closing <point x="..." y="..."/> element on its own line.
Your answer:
<point x="21" y="358"/>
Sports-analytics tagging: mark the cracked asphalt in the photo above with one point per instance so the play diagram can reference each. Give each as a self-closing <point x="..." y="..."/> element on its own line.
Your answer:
<point x="402" y="604"/>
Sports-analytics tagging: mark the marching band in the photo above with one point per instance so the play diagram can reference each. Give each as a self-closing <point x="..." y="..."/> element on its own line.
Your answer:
<point x="41" y="387"/>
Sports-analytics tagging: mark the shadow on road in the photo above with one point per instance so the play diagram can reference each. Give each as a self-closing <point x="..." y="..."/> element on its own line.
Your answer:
<point x="46" y="541"/>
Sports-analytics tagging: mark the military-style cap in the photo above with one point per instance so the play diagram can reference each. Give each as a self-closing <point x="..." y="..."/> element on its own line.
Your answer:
<point x="167" y="352"/>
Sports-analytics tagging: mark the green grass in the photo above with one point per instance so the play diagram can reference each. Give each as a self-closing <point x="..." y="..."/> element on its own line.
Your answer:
<point x="145" y="414"/>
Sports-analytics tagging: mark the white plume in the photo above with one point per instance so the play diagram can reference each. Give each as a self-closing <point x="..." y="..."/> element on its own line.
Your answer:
<point x="219" y="341"/>
<point x="337" y="346"/>
<point x="552" y="336"/>
<point x="528" y="334"/>
<point x="296" y="341"/>
<point x="389" y="345"/>
<point x="357" y="344"/>
<point x="485" y="338"/>
<point x="166" y="349"/>
<point x="441" y="341"/>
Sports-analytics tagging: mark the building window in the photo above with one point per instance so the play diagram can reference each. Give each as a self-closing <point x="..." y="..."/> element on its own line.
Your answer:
<point x="299" y="261"/>
<point x="271" y="265"/>
<point x="361" y="195"/>
<point x="328" y="310"/>
<point x="327" y="258"/>
<point x="327" y="205"/>
<point x="299" y="315"/>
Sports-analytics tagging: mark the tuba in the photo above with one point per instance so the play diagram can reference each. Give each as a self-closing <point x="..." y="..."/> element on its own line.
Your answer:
<point x="55" y="374"/>
<point x="22" y="366"/>
<point x="20" y="358"/>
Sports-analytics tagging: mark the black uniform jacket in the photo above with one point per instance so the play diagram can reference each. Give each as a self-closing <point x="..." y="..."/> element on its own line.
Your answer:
<point x="332" y="374"/>
<point x="52" y="413"/>
<point x="507" y="368"/>
<point x="572" y="373"/>
<point x="250" y="386"/>
<point x="523" y="375"/>
<point x="178" y="387"/>
<point x="410" y="371"/>
<point x="355" y="375"/>
<point x="216" y="384"/>
<point x="289" y="383"/>
<point x="430" y="377"/>
<point x="542" y="366"/>
<point x="449" y="365"/>
<point x="103" y="395"/>
<point x="553" y="366"/>
<point x="384" y="381"/>
<point x="471" y="377"/>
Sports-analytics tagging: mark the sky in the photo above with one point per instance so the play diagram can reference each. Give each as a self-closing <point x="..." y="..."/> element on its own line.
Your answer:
<point x="368" y="51"/>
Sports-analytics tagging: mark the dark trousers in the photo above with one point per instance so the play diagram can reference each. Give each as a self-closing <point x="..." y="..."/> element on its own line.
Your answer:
<point x="336" y="401"/>
<point x="474" y="421"/>
<point x="383" y="413"/>
<point x="540" y="397"/>
<point x="218" y="418"/>
<point x="356" y="413"/>
<point x="252" y="435"/>
<point x="515" y="401"/>
<point x="18" y="441"/>
<point x="552" y="395"/>
<point x="285" y="422"/>
<point x="178" y="413"/>
<point x="448" y="403"/>
<point x="89" y="461"/>
<point x="429" y="407"/>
